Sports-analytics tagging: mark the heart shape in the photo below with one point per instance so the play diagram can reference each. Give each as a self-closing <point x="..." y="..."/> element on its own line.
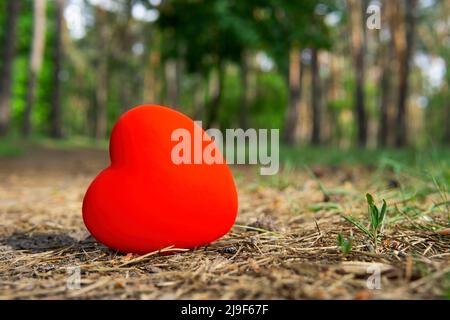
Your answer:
<point x="144" y="201"/>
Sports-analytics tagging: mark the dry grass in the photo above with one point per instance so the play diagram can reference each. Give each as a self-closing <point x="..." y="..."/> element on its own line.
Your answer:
<point x="282" y="247"/>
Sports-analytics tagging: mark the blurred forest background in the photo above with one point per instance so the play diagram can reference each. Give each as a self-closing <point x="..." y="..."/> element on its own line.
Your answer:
<point x="324" y="72"/>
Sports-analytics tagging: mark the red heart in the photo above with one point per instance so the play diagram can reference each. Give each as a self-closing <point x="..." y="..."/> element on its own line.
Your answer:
<point x="144" y="201"/>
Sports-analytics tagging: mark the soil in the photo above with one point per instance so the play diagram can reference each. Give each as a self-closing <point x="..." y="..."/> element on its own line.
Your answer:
<point x="283" y="245"/>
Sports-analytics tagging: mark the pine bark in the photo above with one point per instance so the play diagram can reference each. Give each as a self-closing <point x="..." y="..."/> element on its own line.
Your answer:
<point x="358" y="53"/>
<point x="36" y="57"/>
<point x="315" y="98"/>
<point x="12" y="9"/>
<point x="295" y="80"/>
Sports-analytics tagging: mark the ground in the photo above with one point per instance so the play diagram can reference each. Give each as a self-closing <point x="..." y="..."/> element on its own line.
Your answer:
<point x="283" y="245"/>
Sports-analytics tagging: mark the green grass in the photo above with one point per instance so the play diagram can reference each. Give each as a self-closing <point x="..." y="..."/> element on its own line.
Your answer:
<point x="376" y="218"/>
<point x="446" y="286"/>
<point x="344" y="244"/>
<point x="14" y="145"/>
<point x="392" y="158"/>
<point x="431" y="167"/>
<point x="71" y="143"/>
<point x="11" y="148"/>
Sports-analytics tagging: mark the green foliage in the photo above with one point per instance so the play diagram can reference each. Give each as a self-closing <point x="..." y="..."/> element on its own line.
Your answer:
<point x="435" y="124"/>
<point x="267" y="110"/>
<point x="204" y="34"/>
<point x="44" y="86"/>
<point x="2" y="30"/>
<point x="10" y="148"/>
<point x="446" y="286"/>
<point x="229" y="112"/>
<point x="344" y="244"/>
<point x="376" y="217"/>
<point x="211" y="32"/>
<point x="284" y="24"/>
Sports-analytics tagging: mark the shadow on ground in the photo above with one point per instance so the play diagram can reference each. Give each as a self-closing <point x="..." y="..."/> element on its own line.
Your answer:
<point x="42" y="242"/>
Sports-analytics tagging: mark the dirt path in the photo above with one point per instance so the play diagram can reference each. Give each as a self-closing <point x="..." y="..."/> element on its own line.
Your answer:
<point x="283" y="246"/>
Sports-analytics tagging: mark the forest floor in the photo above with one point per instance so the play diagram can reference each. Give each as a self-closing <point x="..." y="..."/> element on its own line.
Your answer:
<point x="283" y="245"/>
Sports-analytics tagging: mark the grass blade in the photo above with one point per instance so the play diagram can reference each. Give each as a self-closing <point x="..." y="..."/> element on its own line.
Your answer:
<point x="358" y="225"/>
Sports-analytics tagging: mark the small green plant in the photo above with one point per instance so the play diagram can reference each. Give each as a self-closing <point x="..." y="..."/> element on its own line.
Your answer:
<point x="376" y="216"/>
<point x="344" y="244"/>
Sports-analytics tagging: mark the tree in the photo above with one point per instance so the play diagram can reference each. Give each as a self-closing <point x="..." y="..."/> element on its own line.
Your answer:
<point x="315" y="97"/>
<point x="36" y="56"/>
<point x="173" y="77"/>
<point x="446" y="53"/>
<point x="433" y="38"/>
<point x="446" y="116"/>
<point x="291" y="27"/>
<point x="405" y="38"/>
<point x="357" y="43"/>
<point x="7" y="61"/>
<point x="295" y="86"/>
<point x="151" y="83"/>
<point x="245" y="90"/>
<point x="56" y="107"/>
<point x="333" y="91"/>
<point x="386" y="55"/>
<point x="124" y="55"/>
<point x="227" y="30"/>
<point x="214" y="103"/>
<point x="101" y="60"/>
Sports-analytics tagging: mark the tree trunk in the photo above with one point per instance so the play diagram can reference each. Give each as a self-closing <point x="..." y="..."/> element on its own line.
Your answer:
<point x="295" y="79"/>
<point x="384" y="107"/>
<point x="126" y="75"/>
<point x="315" y="97"/>
<point x="173" y="76"/>
<point x="333" y="96"/>
<point x="36" y="56"/>
<point x="8" y="57"/>
<point x="405" y="51"/>
<point x="151" y="83"/>
<point x="244" y="98"/>
<point x="445" y="12"/>
<point x="386" y="54"/>
<point x="198" y="98"/>
<point x="358" y="52"/>
<point x="101" y="92"/>
<point x="446" y="117"/>
<point x="446" y="137"/>
<point x="56" y="110"/>
<point x="101" y="97"/>
<point x="214" y="103"/>
<point x="153" y="73"/>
